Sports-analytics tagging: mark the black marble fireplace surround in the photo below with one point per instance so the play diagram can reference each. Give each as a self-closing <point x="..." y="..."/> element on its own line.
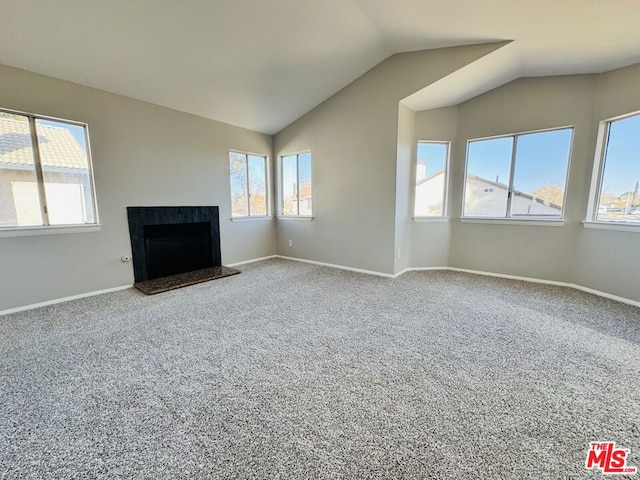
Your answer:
<point x="172" y="240"/>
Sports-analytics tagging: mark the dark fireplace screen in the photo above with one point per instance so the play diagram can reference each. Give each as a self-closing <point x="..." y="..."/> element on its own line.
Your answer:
<point x="171" y="240"/>
<point x="177" y="248"/>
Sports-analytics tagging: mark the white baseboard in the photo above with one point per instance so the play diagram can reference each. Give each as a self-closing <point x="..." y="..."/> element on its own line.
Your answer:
<point x="99" y="292"/>
<point x="419" y="269"/>
<point x="63" y="299"/>
<point x="509" y="277"/>
<point x="244" y="262"/>
<point x="628" y="301"/>
<point x="340" y="267"/>
<point x="599" y="293"/>
<point x="549" y="282"/>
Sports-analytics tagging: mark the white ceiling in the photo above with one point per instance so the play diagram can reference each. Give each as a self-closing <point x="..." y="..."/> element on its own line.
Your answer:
<point x="261" y="64"/>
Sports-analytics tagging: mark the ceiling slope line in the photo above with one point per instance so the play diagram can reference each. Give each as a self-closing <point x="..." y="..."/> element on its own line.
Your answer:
<point x="490" y="71"/>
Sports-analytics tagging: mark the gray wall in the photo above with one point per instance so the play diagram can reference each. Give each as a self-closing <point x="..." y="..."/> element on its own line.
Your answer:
<point x="353" y="137"/>
<point x="405" y="178"/>
<point x="364" y="177"/>
<point x="609" y="261"/>
<point x="430" y="240"/>
<point x="523" y="105"/>
<point x="603" y="260"/>
<point x="363" y="145"/>
<point x="142" y="155"/>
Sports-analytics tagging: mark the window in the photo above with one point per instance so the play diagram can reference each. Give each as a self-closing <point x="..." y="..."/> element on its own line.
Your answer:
<point x="617" y="173"/>
<point x="296" y="184"/>
<point x="431" y="179"/>
<point x="45" y="172"/>
<point x="248" y="185"/>
<point x="518" y="176"/>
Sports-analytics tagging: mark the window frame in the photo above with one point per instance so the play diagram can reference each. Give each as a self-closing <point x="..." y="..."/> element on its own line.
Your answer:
<point x="47" y="227"/>
<point x="445" y="193"/>
<point x="281" y="213"/>
<point x="541" y="220"/>
<point x="267" y="187"/>
<point x="597" y="179"/>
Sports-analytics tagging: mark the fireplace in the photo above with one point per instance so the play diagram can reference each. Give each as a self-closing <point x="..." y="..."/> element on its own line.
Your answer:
<point x="177" y="248"/>
<point x="167" y="241"/>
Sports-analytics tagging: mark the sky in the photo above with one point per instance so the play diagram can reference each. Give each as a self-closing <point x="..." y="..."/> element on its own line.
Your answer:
<point x="434" y="155"/>
<point x="542" y="157"/>
<point x="622" y="162"/>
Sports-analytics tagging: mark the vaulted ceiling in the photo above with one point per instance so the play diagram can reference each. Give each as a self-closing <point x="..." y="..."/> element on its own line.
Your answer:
<point x="261" y="64"/>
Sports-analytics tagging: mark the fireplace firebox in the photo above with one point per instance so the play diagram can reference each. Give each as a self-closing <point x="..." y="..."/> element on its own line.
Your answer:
<point x="177" y="248"/>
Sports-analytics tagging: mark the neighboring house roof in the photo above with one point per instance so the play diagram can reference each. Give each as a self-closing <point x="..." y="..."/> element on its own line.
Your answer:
<point x="493" y="184"/>
<point x="430" y="176"/>
<point x="58" y="147"/>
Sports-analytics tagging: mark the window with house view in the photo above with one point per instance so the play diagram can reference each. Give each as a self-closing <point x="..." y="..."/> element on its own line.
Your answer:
<point x="296" y="184"/>
<point x="617" y="196"/>
<point x="45" y="172"/>
<point x="431" y="179"/>
<point x="248" y="184"/>
<point x="518" y="176"/>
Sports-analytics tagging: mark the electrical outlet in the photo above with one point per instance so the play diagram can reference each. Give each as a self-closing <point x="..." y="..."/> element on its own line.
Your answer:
<point x="291" y="243"/>
<point x="399" y="253"/>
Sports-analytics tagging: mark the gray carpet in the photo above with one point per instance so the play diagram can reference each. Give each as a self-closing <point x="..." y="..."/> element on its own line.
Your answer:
<point x="297" y="371"/>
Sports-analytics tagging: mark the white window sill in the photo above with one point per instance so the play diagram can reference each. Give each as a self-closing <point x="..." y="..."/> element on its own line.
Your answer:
<point x="430" y="219"/>
<point x="251" y="219"/>
<point x="47" y="230"/>
<point x="516" y="221"/>
<point x="618" y="226"/>
<point x="300" y="218"/>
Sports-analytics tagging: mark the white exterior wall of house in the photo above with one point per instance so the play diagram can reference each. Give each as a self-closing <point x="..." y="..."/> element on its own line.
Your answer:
<point x="65" y="192"/>
<point x="525" y="206"/>
<point x="304" y="206"/>
<point x="486" y="199"/>
<point x="482" y="199"/>
<point x="67" y="201"/>
<point x="430" y="196"/>
<point x="18" y="185"/>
